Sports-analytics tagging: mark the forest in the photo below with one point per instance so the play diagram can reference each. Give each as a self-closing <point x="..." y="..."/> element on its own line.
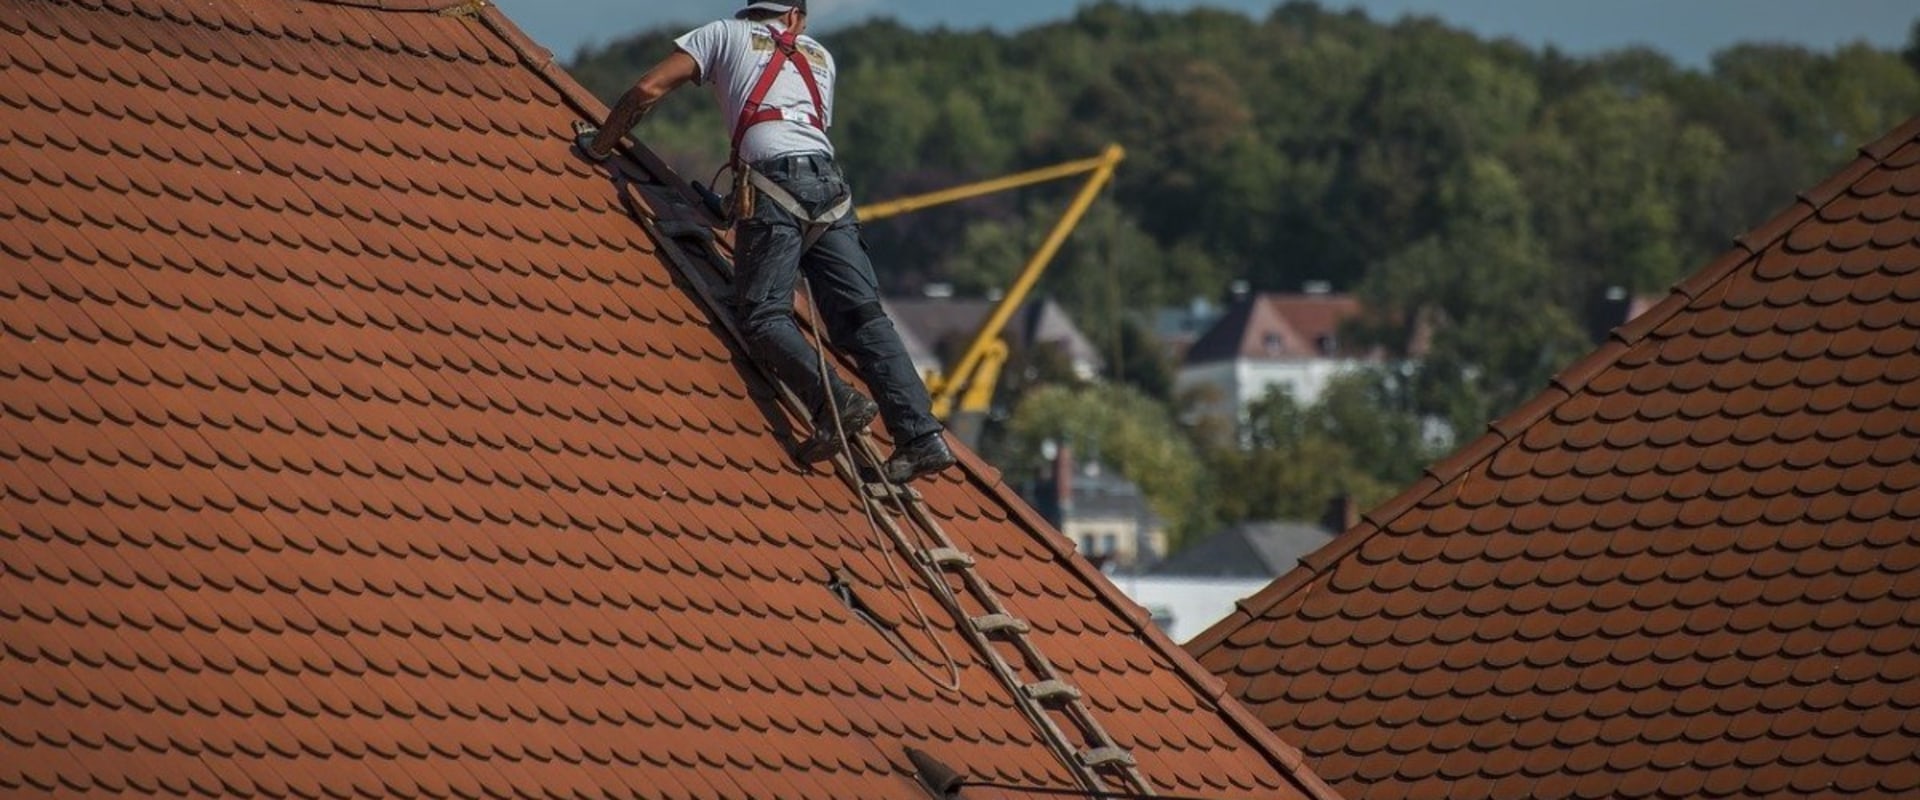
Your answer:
<point x="1481" y="191"/>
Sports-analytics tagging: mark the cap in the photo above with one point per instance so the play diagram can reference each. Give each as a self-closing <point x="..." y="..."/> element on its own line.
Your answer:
<point x="772" y="5"/>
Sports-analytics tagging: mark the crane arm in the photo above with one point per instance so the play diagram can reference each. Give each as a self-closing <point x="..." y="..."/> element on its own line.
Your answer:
<point x="906" y="205"/>
<point x="947" y="387"/>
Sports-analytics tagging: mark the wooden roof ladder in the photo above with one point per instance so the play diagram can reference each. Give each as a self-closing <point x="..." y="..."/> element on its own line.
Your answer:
<point x="1058" y="711"/>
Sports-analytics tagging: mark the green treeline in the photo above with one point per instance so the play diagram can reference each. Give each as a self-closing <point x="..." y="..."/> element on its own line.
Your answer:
<point x="1476" y="189"/>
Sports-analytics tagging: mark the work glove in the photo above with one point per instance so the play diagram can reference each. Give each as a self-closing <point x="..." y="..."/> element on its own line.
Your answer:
<point x="584" y="133"/>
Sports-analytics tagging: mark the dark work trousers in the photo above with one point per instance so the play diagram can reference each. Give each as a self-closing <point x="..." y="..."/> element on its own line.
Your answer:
<point x="769" y="262"/>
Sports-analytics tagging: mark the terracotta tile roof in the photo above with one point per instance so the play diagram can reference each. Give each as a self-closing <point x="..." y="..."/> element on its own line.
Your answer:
<point x="355" y="442"/>
<point x="1688" y="569"/>
<point x="1277" y="326"/>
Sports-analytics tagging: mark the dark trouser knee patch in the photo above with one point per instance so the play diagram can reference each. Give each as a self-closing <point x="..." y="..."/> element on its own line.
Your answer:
<point x="867" y="312"/>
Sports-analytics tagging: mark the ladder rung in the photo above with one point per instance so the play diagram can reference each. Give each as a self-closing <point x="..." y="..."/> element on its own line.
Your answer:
<point x="1000" y="623"/>
<point x="946" y="558"/>
<point x="1051" y="691"/>
<point x="1106" y="757"/>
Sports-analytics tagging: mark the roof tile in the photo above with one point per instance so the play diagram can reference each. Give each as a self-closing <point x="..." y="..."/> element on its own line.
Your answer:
<point x="355" y="441"/>
<point x="1687" y="569"/>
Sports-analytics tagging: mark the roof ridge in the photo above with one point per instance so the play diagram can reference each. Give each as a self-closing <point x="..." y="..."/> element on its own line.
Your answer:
<point x="1289" y="762"/>
<point x="418" y="6"/>
<point x="541" y="61"/>
<point x="1747" y="247"/>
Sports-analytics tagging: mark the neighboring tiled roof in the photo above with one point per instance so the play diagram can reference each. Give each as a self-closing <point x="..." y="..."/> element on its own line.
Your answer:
<point x="1688" y="569"/>
<point x="355" y="442"/>
<point x="1277" y="326"/>
<point x="1248" y="550"/>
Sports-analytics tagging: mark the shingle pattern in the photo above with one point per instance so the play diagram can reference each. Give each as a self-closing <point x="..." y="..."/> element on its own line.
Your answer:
<point x="356" y="442"/>
<point x="1688" y="569"/>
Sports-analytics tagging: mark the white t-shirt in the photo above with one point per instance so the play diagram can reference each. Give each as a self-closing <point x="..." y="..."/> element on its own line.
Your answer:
<point x="732" y="53"/>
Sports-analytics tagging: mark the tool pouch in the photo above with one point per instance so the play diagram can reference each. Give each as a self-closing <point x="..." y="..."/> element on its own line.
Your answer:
<point x="741" y="202"/>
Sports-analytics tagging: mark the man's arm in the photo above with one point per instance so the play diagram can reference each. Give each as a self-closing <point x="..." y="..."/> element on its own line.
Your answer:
<point x="675" y="71"/>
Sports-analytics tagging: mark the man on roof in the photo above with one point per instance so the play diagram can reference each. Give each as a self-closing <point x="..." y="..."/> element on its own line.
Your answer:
<point x="793" y="215"/>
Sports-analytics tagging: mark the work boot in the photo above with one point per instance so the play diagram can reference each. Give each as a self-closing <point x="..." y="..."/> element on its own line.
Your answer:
<point x="923" y="456"/>
<point x="856" y="413"/>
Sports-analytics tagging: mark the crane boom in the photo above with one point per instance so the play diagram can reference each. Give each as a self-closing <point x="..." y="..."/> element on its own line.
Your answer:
<point x="907" y="205"/>
<point x="970" y="382"/>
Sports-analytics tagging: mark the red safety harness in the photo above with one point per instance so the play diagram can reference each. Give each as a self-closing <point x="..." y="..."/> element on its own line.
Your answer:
<point x="746" y="182"/>
<point x="754" y="112"/>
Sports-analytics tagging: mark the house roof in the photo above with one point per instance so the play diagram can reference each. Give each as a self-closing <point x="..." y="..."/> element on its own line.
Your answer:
<point x="1247" y="550"/>
<point x="355" y="441"/>
<point x="1264" y="327"/>
<point x="1689" y="568"/>
<point x="938" y="320"/>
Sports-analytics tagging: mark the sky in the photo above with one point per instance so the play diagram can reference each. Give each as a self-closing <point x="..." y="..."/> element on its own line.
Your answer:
<point x="1687" y="30"/>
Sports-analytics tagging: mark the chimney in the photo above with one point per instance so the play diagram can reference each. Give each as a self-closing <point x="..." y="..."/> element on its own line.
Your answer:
<point x="1063" y="480"/>
<point x="1341" y="515"/>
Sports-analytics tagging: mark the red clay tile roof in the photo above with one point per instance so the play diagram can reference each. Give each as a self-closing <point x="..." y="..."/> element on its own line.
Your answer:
<point x="1277" y="326"/>
<point x="355" y="442"/>
<point x="1688" y="569"/>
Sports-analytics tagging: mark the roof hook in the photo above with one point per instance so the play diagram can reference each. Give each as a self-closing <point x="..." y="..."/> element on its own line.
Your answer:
<point x="943" y="781"/>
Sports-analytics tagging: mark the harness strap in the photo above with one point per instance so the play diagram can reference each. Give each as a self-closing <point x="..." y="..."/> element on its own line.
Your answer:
<point x="813" y="226"/>
<point x="785" y="50"/>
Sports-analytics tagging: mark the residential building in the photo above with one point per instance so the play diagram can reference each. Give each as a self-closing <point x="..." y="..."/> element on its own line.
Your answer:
<point x="1199" y="585"/>
<point x="1178" y="328"/>
<point x="1105" y="516"/>
<point x="1290" y="342"/>
<point x="946" y="325"/>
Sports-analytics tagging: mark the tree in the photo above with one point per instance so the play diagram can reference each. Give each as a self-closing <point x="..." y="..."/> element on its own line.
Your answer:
<point x="1475" y="194"/>
<point x="1611" y="176"/>
<point x="1372" y="417"/>
<point x="1131" y="433"/>
<point x="1289" y="469"/>
<point x="1139" y="362"/>
<point x="1484" y="289"/>
<point x="1912" y="53"/>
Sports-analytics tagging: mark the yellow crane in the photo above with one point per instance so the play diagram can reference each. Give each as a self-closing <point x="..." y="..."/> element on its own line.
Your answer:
<point x="971" y="381"/>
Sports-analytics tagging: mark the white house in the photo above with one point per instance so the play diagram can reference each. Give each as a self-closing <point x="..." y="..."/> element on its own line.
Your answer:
<point x="1266" y="341"/>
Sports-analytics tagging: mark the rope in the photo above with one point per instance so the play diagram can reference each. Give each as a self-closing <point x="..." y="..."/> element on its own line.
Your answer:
<point x="899" y="584"/>
<point x="1035" y="716"/>
<point x="882" y="533"/>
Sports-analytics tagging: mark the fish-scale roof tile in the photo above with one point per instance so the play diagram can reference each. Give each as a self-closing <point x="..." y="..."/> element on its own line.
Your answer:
<point x="354" y="441"/>
<point x="1687" y="569"/>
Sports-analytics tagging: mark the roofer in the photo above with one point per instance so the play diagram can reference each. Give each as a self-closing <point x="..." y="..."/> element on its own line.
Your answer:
<point x="792" y="214"/>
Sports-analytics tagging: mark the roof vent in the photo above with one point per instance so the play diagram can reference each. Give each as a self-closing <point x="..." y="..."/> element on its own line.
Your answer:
<point x="1317" y="288"/>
